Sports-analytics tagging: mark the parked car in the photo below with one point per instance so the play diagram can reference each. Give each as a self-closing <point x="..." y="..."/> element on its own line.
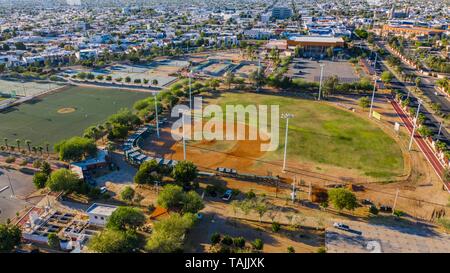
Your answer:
<point x="227" y="195"/>
<point x="341" y="226"/>
<point x="385" y="208"/>
<point x="367" y="202"/>
<point x="103" y="190"/>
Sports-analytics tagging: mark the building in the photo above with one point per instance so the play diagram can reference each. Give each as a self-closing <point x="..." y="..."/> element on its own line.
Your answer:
<point x="407" y="30"/>
<point x="315" y="45"/>
<point x="86" y="54"/>
<point x="281" y="13"/>
<point x="82" y="168"/>
<point x="99" y="214"/>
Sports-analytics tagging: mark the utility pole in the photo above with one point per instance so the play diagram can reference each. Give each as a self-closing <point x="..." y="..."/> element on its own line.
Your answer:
<point x="156" y="113"/>
<point x="414" y="128"/>
<point x="321" y="77"/>
<point x="373" y="96"/>
<point x="375" y="63"/>
<point x="287" y="116"/>
<point x="440" y="128"/>
<point x="293" y="192"/>
<point x="395" y="201"/>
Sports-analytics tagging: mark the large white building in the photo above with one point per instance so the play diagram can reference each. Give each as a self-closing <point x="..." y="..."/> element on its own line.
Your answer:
<point x="99" y="213"/>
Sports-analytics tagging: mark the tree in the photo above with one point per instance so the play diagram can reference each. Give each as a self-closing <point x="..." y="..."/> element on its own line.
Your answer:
<point x="184" y="173"/>
<point x="364" y="102"/>
<point x="39" y="180"/>
<point x="127" y="194"/>
<point x="76" y="148"/>
<point x="114" y="241"/>
<point x="28" y="142"/>
<point x="258" y="244"/>
<point x="229" y="78"/>
<point x="124" y="218"/>
<point x="149" y="172"/>
<point x="173" y="197"/>
<point x="342" y="198"/>
<point x="18" y="144"/>
<point x="168" y="234"/>
<point x="154" y="82"/>
<point x="46" y="168"/>
<point x="386" y="77"/>
<point x="330" y="84"/>
<point x="418" y="81"/>
<point x="53" y="241"/>
<point x="9" y="237"/>
<point x="63" y="180"/>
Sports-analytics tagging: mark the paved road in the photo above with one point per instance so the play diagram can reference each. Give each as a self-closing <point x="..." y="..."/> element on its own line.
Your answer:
<point x="428" y="90"/>
<point x="426" y="150"/>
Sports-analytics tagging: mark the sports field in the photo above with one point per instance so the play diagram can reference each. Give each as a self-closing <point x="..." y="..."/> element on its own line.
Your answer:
<point x="63" y="114"/>
<point x="323" y="140"/>
<point x="321" y="133"/>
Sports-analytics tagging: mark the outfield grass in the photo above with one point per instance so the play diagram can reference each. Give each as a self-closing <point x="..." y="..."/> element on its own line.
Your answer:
<point x="40" y="122"/>
<point x="320" y="133"/>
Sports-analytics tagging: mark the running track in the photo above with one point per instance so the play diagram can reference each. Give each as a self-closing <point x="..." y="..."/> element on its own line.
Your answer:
<point x="426" y="150"/>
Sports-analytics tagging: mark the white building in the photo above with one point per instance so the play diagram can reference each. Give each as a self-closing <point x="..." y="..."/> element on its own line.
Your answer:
<point x="99" y="213"/>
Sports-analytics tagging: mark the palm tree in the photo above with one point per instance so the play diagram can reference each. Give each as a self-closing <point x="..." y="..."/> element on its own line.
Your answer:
<point x="34" y="149"/>
<point x="18" y="144"/>
<point x="6" y="142"/>
<point x="40" y="149"/>
<point x="28" y="142"/>
<point x="155" y="82"/>
<point x="46" y="148"/>
<point x="229" y="78"/>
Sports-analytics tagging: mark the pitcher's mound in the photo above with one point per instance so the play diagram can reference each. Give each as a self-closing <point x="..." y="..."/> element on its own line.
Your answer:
<point x="66" y="110"/>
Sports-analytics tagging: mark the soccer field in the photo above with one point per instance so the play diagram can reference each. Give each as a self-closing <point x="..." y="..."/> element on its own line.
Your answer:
<point x="63" y="114"/>
<point x="322" y="135"/>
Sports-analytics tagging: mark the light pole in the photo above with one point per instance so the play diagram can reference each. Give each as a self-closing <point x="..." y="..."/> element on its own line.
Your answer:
<point x="373" y="96"/>
<point x="321" y="77"/>
<point x="414" y="127"/>
<point x="10" y="185"/>
<point x="287" y="116"/>
<point x="156" y="113"/>
<point x="440" y="128"/>
<point x="184" y="137"/>
<point x="190" y="90"/>
<point x="375" y="63"/>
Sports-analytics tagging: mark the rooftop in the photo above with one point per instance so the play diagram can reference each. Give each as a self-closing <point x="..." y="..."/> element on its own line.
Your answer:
<point x="101" y="209"/>
<point x="318" y="39"/>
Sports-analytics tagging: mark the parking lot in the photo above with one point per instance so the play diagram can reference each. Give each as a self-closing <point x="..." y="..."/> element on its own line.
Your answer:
<point x="22" y="186"/>
<point x="383" y="238"/>
<point x="309" y="70"/>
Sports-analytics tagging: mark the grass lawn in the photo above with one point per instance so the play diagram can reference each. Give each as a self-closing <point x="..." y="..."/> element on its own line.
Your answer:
<point x="320" y="133"/>
<point x="40" y="121"/>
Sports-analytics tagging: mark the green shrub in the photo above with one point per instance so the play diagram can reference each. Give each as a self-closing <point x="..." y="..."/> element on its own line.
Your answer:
<point x="239" y="242"/>
<point x="10" y="159"/>
<point x="215" y="238"/>
<point x="258" y="244"/>
<point x="276" y="227"/>
<point x="227" y="240"/>
<point x="290" y="249"/>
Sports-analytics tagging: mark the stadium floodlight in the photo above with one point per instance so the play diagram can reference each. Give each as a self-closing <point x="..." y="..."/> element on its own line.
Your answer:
<point x="373" y="97"/>
<point x="156" y="113"/>
<point x="321" y="77"/>
<point x="286" y="116"/>
<point x="190" y="89"/>
<point x="414" y="125"/>
<point x="184" y="135"/>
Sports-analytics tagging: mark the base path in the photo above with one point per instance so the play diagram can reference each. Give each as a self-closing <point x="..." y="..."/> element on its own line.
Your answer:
<point x="424" y="147"/>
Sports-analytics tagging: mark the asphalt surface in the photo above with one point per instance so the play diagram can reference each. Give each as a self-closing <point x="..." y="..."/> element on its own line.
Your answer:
<point x="10" y="203"/>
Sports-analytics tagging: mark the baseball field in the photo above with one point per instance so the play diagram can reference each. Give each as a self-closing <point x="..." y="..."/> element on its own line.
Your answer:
<point x="63" y="114"/>
<point x="323" y="139"/>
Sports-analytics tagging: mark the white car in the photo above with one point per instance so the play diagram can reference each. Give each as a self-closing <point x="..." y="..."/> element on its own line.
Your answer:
<point x="227" y="195"/>
<point x="341" y="226"/>
<point x="103" y="190"/>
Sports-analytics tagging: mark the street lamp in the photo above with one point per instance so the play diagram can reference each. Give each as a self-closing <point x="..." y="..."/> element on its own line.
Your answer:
<point x="190" y="90"/>
<point x="10" y="185"/>
<point x="184" y="135"/>
<point x="415" y="125"/>
<point x="321" y="77"/>
<point x="156" y="113"/>
<point x="287" y="116"/>
<point x="440" y="128"/>
<point x="373" y="96"/>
